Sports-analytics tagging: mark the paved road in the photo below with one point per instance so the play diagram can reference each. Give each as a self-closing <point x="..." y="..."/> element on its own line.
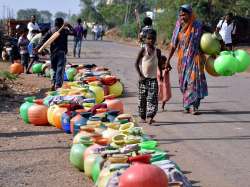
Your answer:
<point x="213" y="149"/>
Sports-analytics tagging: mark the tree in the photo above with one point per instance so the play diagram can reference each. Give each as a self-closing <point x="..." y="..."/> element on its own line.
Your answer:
<point x="27" y="13"/>
<point x="45" y="16"/>
<point x="73" y="18"/>
<point x="90" y="12"/>
<point x="61" y="15"/>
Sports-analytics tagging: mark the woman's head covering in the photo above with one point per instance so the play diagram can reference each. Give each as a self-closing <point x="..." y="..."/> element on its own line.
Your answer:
<point x="186" y="8"/>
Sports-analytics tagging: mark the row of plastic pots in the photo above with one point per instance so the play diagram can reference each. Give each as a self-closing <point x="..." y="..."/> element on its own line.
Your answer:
<point x="99" y="90"/>
<point x="96" y="74"/>
<point x="121" y="155"/>
<point x="35" y="111"/>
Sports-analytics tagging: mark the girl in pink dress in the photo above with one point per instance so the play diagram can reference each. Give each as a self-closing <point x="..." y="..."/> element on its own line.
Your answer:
<point x="164" y="87"/>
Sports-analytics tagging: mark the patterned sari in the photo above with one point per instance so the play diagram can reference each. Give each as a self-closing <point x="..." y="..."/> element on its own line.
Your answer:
<point x="191" y="62"/>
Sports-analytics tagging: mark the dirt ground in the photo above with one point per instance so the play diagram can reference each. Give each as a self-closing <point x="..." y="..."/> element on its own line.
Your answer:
<point x="32" y="156"/>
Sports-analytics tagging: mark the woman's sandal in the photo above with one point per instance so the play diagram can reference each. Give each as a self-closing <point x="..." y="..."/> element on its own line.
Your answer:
<point x="195" y="111"/>
<point x="151" y="121"/>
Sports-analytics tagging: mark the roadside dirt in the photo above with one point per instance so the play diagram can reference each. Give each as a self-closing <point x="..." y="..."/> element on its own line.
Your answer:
<point x="32" y="156"/>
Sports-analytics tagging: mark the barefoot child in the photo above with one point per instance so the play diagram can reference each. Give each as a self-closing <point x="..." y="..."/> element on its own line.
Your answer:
<point x="148" y="57"/>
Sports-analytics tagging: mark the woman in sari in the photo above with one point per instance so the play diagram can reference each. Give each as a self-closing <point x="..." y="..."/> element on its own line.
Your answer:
<point x="186" y="39"/>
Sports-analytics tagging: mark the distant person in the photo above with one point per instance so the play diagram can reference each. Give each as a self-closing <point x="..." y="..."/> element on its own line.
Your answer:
<point x="33" y="27"/>
<point x="85" y="30"/>
<point x="146" y="65"/>
<point x="94" y="31"/>
<point x="58" y="50"/>
<point x="23" y="43"/>
<point x="227" y="29"/>
<point x="101" y="31"/>
<point x="78" y="38"/>
<point x="32" y="45"/>
<point x="147" y="21"/>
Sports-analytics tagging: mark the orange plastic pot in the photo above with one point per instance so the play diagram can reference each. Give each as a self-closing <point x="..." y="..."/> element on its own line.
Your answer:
<point x="101" y="110"/>
<point x="57" y="117"/>
<point x="114" y="104"/>
<point x="16" y="68"/>
<point x="101" y="141"/>
<point x="38" y="114"/>
<point x="91" y="79"/>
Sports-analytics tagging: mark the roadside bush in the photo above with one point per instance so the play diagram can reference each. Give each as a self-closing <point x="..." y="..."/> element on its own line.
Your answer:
<point x="129" y="30"/>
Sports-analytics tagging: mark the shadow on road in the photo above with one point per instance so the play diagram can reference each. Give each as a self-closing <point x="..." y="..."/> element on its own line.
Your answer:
<point x="35" y="149"/>
<point x="29" y="133"/>
<point x="224" y="112"/>
<point x="162" y="123"/>
<point x="167" y="140"/>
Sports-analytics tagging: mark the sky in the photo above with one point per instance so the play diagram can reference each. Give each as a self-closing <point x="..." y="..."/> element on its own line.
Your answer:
<point x="52" y="5"/>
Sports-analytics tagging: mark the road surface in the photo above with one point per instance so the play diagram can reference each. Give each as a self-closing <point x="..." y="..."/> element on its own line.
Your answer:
<point x="213" y="148"/>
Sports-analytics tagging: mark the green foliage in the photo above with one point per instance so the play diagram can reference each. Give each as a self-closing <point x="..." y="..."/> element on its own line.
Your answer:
<point x="7" y="75"/>
<point x="27" y="13"/>
<point x="113" y="14"/>
<point x="121" y="13"/>
<point x="41" y="16"/>
<point x="129" y="30"/>
<point x="60" y="14"/>
<point x="46" y="16"/>
<point x="89" y="11"/>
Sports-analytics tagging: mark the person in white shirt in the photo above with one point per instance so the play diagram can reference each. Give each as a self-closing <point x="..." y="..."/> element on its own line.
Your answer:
<point x="227" y="28"/>
<point x="95" y="31"/>
<point x="33" y="28"/>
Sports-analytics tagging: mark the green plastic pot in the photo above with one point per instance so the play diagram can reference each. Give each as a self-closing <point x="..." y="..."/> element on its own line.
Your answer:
<point x="37" y="68"/>
<point x="71" y="72"/>
<point x="24" y="111"/>
<point x="225" y="65"/>
<point x="151" y="144"/>
<point x="96" y="168"/>
<point x="226" y="53"/>
<point x="243" y="60"/>
<point x="209" y="44"/>
<point x="76" y="156"/>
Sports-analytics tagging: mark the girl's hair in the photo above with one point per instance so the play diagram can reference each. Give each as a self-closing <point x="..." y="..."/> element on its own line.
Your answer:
<point x="152" y="32"/>
<point x="147" y="21"/>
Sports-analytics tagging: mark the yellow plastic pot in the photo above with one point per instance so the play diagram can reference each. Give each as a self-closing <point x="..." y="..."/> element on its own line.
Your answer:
<point x="124" y="128"/>
<point x="99" y="93"/>
<point x="116" y="89"/>
<point x="119" y="139"/>
<point x="50" y="114"/>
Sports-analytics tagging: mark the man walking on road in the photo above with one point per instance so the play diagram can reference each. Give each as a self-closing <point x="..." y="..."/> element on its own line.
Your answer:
<point x="227" y="29"/>
<point x="79" y="31"/>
